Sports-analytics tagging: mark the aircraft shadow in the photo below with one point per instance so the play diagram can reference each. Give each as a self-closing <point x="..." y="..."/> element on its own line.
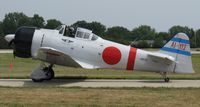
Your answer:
<point x="59" y="81"/>
<point x="51" y="83"/>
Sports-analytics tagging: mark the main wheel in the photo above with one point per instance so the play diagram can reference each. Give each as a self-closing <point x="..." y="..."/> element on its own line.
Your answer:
<point x="49" y="73"/>
<point x="167" y="79"/>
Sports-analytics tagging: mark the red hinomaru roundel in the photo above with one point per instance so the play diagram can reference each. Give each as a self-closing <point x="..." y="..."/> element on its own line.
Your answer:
<point x="111" y="55"/>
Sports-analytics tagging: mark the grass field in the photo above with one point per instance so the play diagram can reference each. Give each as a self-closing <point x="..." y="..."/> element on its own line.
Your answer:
<point x="94" y="97"/>
<point x="23" y="67"/>
<point x="110" y="97"/>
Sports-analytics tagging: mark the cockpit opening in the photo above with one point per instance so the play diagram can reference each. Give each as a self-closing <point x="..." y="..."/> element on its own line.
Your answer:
<point x="79" y="33"/>
<point x="69" y="31"/>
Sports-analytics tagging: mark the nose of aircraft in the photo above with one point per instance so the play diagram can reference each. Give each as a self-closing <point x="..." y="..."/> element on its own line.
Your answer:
<point x="22" y="41"/>
<point x="9" y="37"/>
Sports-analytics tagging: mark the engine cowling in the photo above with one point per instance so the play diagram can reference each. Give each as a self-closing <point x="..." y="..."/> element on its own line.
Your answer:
<point x="23" y="42"/>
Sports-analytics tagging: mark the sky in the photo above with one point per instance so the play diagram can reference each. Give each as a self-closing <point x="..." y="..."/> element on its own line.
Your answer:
<point x="160" y="14"/>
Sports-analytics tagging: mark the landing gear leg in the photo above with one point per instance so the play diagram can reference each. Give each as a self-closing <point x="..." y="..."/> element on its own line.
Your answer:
<point x="49" y="72"/>
<point x="42" y="73"/>
<point x="164" y="75"/>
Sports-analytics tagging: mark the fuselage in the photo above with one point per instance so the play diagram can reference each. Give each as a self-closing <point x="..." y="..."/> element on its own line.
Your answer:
<point x="98" y="53"/>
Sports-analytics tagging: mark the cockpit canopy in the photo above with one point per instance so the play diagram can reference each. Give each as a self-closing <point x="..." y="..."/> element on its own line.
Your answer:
<point x="85" y="34"/>
<point x="79" y="33"/>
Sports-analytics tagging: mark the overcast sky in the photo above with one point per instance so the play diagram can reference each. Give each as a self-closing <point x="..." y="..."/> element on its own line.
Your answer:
<point x="160" y="14"/>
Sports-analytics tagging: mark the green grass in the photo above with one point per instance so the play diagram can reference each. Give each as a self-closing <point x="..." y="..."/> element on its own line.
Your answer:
<point x="99" y="97"/>
<point x="23" y="67"/>
<point x="94" y="97"/>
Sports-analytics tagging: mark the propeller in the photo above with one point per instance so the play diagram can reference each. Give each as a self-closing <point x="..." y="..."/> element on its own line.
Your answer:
<point x="11" y="42"/>
<point x="10" y="38"/>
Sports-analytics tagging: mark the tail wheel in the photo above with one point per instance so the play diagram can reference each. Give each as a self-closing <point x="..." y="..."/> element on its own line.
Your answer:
<point x="167" y="79"/>
<point x="164" y="75"/>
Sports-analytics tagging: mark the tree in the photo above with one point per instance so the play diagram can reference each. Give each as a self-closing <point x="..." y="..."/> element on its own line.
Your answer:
<point x="160" y="39"/>
<point x="143" y="32"/>
<point x="3" y="43"/>
<point x="10" y="23"/>
<point x="97" y="28"/>
<point x="37" y="21"/>
<point x="24" y="21"/>
<point x="180" y="29"/>
<point x="14" y="20"/>
<point x="82" y="23"/>
<point x="163" y="35"/>
<point x="158" y="42"/>
<point x="142" y="44"/>
<point x="1" y="29"/>
<point x="52" y="24"/>
<point x="118" y="34"/>
<point x="197" y="39"/>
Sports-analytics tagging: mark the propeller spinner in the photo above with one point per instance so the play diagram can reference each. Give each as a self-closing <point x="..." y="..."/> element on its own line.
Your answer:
<point x="10" y="38"/>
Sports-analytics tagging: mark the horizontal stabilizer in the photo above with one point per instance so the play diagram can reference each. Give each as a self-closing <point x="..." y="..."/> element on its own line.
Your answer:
<point x="162" y="58"/>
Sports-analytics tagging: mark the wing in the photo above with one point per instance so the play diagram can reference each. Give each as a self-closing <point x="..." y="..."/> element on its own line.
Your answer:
<point x="86" y="65"/>
<point x="54" y="56"/>
<point x="162" y="58"/>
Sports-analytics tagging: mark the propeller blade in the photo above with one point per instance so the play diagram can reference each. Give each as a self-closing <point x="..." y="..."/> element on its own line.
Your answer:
<point x="10" y="43"/>
<point x="14" y="53"/>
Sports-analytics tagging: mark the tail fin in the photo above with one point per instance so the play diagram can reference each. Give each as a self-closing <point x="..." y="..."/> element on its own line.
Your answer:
<point x="179" y="48"/>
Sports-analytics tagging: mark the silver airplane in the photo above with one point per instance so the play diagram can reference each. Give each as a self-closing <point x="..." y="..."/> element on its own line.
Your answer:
<point x="82" y="48"/>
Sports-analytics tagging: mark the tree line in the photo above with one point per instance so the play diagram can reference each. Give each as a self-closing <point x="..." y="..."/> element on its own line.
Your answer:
<point x="143" y="36"/>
